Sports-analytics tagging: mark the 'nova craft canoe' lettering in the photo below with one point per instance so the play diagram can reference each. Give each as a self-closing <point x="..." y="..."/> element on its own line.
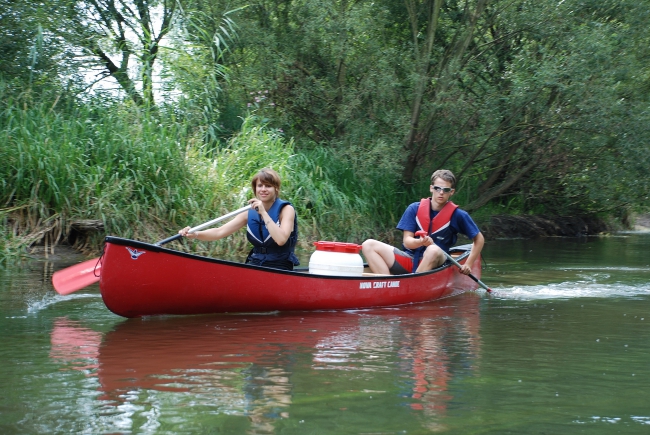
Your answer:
<point x="379" y="284"/>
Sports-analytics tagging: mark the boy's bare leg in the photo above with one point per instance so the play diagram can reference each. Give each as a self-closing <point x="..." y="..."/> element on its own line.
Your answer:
<point x="379" y="255"/>
<point x="432" y="258"/>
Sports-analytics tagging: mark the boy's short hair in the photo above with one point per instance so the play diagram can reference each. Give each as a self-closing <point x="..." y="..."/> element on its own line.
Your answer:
<point x="446" y="175"/>
<point x="266" y="176"/>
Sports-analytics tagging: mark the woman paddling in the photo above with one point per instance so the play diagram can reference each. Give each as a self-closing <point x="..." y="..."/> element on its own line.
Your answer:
<point x="272" y="225"/>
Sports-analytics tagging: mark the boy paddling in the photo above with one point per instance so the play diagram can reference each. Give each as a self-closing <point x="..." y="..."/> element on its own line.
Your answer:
<point x="441" y="219"/>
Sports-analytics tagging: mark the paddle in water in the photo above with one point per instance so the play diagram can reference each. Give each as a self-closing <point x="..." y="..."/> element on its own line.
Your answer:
<point x="81" y="275"/>
<point x="76" y="277"/>
<point x="450" y="258"/>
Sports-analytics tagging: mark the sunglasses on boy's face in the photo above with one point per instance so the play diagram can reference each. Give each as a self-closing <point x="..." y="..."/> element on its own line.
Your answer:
<point x="442" y="189"/>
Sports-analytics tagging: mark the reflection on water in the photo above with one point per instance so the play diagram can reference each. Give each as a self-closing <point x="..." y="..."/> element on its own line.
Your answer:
<point x="560" y="347"/>
<point x="248" y="365"/>
<point x="74" y="345"/>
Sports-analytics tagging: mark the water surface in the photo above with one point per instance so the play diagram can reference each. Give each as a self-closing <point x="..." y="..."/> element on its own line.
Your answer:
<point x="560" y="347"/>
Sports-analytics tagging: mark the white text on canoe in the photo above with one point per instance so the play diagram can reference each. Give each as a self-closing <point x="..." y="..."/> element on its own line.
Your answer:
<point x="379" y="284"/>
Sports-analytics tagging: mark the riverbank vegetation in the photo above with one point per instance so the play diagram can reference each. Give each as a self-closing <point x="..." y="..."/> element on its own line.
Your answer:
<point x="144" y="177"/>
<point x="137" y="118"/>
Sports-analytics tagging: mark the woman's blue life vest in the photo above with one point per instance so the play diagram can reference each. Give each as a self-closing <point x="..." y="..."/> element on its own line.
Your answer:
<point x="437" y="228"/>
<point x="265" y="249"/>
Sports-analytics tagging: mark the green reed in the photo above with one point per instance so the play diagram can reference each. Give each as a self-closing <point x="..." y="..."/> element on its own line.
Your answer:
<point x="335" y="202"/>
<point x="145" y="176"/>
<point x="91" y="163"/>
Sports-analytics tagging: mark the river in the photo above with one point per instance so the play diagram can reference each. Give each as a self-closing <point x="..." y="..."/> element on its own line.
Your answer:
<point x="561" y="346"/>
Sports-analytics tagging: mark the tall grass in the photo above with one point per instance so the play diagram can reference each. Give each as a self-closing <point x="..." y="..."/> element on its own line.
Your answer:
<point x="221" y="179"/>
<point x="144" y="178"/>
<point x="338" y="200"/>
<point x="90" y="163"/>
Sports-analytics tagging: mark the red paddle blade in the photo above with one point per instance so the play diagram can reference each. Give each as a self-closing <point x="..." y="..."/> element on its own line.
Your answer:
<point x="76" y="277"/>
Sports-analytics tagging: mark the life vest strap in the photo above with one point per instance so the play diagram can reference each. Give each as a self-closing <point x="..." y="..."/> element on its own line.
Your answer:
<point x="440" y="221"/>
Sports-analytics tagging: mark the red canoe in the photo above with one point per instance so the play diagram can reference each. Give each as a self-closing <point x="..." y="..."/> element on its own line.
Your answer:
<point x="141" y="279"/>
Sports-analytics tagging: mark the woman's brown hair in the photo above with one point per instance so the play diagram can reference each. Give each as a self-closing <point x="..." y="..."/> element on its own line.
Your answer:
<point x="267" y="176"/>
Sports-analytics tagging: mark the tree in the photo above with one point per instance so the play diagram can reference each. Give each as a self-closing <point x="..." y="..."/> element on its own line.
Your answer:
<point x="537" y="106"/>
<point x="196" y="63"/>
<point x="434" y="76"/>
<point x="31" y="59"/>
<point x="555" y="79"/>
<point x="116" y="37"/>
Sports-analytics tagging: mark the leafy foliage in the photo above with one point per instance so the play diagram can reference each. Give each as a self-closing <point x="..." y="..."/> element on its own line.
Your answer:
<point x="538" y="107"/>
<point x="520" y="97"/>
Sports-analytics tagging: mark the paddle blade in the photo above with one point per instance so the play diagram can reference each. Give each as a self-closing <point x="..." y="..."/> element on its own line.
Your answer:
<point x="76" y="277"/>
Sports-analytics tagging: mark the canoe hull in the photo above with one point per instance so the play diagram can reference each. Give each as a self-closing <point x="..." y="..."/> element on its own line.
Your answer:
<point x="140" y="279"/>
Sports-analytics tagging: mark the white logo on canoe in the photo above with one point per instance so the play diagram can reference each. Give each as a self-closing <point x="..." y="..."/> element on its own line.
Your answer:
<point x="379" y="284"/>
<point x="134" y="253"/>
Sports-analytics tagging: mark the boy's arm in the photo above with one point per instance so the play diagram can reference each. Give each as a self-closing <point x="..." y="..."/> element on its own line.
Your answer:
<point x="477" y="246"/>
<point x="411" y="242"/>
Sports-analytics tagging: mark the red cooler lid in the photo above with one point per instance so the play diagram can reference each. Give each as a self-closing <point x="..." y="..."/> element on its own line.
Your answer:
<point x="348" y="248"/>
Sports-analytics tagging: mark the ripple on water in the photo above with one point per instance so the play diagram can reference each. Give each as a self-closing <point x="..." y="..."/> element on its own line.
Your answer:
<point x="571" y="289"/>
<point x="36" y="305"/>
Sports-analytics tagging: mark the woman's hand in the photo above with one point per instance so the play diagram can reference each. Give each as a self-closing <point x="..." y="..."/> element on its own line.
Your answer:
<point x="185" y="233"/>
<point x="256" y="204"/>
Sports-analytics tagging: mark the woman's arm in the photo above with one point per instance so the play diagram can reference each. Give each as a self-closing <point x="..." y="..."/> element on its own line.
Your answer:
<point x="218" y="233"/>
<point x="280" y="233"/>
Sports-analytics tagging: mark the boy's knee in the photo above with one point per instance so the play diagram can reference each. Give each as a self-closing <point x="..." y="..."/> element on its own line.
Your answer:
<point x="431" y="250"/>
<point x="434" y="254"/>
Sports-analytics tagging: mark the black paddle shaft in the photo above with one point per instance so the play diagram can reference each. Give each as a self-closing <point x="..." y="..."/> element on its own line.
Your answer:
<point x="168" y="239"/>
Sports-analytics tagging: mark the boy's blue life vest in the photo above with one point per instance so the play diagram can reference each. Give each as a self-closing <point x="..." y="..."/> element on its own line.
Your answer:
<point x="437" y="225"/>
<point x="264" y="247"/>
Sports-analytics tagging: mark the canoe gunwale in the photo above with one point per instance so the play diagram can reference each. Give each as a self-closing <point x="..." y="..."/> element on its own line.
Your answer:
<point x="302" y="271"/>
<point x="142" y="279"/>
